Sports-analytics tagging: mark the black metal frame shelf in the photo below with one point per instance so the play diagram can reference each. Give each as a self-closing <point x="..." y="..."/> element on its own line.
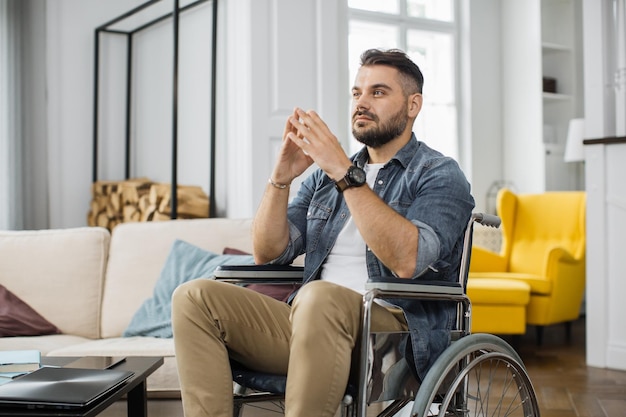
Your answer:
<point x="109" y="28"/>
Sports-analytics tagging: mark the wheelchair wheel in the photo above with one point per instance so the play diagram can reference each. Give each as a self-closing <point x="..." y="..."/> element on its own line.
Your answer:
<point x="479" y="375"/>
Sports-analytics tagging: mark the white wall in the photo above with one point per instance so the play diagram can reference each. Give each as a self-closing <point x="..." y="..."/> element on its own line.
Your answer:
<point x="523" y="152"/>
<point x="70" y="76"/>
<point x="606" y="207"/>
<point x="485" y="98"/>
<point x="277" y="61"/>
<point x="269" y="62"/>
<point x="69" y="46"/>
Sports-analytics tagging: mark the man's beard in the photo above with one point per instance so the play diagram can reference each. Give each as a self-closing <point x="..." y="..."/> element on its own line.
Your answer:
<point x="383" y="133"/>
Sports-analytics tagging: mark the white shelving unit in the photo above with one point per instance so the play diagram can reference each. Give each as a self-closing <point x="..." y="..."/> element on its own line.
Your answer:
<point x="542" y="38"/>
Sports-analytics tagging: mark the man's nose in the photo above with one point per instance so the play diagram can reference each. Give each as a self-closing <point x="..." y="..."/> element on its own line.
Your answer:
<point x="360" y="103"/>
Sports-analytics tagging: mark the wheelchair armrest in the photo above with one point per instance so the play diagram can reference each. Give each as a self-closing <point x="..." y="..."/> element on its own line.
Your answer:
<point x="413" y="286"/>
<point x="259" y="274"/>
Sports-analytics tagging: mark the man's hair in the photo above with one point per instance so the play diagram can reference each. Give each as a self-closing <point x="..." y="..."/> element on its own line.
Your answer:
<point x="411" y="77"/>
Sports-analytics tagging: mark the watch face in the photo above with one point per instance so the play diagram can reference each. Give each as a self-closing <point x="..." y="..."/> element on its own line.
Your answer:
<point x="357" y="175"/>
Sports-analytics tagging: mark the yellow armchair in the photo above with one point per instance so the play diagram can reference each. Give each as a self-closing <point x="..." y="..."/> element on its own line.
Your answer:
<point x="543" y="245"/>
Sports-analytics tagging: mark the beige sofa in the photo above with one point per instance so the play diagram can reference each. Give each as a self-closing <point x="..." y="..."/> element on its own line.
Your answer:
<point x="89" y="283"/>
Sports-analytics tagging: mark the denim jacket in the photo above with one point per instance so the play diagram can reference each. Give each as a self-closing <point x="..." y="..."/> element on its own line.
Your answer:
<point x="425" y="187"/>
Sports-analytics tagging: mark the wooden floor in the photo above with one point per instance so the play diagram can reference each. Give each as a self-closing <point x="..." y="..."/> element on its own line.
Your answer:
<point x="565" y="385"/>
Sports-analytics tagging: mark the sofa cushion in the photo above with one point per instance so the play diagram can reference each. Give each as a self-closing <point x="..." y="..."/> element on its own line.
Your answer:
<point x="44" y="344"/>
<point x="498" y="291"/>
<point x="59" y="273"/>
<point x="137" y="255"/>
<point x="184" y="262"/>
<point x="19" y="319"/>
<point x="538" y="284"/>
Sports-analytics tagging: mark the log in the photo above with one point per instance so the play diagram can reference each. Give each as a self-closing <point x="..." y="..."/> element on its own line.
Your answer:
<point x="139" y="199"/>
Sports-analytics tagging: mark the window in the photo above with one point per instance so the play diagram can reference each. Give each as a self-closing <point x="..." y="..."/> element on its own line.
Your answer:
<point x="427" y="31"/>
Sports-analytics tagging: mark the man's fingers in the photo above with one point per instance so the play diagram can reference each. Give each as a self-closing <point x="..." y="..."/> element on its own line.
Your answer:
<point x="310" y="128"/>
<point x="308" y="119"/>
<point x="298" y="139"/>
<point x="302" y="129"/>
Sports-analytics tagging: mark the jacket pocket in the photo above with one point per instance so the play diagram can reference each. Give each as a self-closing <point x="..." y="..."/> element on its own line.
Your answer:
<point x="317" y="220"/>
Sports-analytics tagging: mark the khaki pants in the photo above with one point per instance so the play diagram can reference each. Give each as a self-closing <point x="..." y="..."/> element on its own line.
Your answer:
<point x="311" y="341"/>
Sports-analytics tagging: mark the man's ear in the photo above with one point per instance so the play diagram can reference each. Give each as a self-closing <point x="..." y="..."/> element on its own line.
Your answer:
<point x="415" y="104"/>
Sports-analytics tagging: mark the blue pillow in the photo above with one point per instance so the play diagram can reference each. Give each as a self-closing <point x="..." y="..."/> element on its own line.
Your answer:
<point x="184" y="262"/>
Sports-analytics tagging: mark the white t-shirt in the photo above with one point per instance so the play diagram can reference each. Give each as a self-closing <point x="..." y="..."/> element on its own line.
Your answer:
<point x="346" y="264"/>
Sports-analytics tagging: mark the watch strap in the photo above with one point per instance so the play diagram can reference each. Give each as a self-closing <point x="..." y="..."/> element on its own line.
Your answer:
<point x="342" y="184"/>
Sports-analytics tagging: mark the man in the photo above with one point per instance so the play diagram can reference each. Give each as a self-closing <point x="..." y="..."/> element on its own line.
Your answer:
<point x="395" y="208"/>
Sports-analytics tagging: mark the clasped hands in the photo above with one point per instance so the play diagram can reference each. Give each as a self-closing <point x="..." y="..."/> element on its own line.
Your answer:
<point x="307" y="140"/>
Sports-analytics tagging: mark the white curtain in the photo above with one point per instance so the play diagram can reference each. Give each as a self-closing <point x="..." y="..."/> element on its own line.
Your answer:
<point x="23" y="121"/>
<point x="10" y="120"/>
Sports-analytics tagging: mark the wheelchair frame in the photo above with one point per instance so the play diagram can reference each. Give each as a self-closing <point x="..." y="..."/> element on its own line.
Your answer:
<point x="453" y="384"/>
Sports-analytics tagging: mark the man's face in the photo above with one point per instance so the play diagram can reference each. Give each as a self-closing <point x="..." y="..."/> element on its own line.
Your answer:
<point x="379" y="106"/>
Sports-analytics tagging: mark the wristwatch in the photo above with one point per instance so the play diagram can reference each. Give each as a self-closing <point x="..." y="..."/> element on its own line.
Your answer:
<point x="355" y="177"/>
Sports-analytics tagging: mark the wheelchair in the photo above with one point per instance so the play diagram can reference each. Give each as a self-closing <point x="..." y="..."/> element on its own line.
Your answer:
<point x="477" y="375"/>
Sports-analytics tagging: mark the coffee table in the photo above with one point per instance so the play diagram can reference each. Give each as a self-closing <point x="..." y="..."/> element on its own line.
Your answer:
<point x="135" y="390"/>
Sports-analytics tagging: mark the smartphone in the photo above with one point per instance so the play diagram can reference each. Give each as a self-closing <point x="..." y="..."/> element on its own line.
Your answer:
<point x="96" y="362"/>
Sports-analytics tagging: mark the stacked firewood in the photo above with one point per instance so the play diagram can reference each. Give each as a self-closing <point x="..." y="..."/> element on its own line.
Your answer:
<point x="141" y="200"/>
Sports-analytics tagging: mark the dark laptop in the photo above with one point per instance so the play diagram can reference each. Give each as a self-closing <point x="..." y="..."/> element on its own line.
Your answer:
<point x="61" y="388"/>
